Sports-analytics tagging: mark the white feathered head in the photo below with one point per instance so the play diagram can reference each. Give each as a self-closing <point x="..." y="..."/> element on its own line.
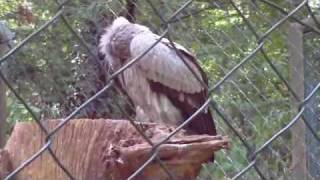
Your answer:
<point x="123" y="35"/>
<point x="108" y="32"/>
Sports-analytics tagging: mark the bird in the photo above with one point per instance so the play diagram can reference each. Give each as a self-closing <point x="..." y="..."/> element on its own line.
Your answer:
<point x="166" y="85"/>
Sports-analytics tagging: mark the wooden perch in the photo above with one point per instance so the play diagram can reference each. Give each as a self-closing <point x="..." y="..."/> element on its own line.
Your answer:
<point x="105" y="149"/>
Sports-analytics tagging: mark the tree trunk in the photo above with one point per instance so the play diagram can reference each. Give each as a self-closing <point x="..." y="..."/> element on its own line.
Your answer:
<point x="5" y="38"/>
<point x="3" y="114"/>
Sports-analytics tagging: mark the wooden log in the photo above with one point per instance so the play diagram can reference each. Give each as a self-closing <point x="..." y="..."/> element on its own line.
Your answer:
<point x="5" y="164"/>
<point x="106" y="149"/>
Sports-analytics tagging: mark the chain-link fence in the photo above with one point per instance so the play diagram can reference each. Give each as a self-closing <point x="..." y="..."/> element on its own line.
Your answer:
<point x="248" y="49"/>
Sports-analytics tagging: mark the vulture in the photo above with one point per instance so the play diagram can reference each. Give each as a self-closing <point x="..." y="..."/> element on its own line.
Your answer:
<point x="162" y="84"/>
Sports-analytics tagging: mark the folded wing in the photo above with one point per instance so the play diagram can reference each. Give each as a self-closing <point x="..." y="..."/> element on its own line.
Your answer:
<point x="168" y="74"/>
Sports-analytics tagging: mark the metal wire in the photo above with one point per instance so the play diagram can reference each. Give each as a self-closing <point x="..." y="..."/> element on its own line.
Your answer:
<point x="252" y="152"/>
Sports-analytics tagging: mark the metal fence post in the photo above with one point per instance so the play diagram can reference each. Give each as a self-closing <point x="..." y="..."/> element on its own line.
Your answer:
<point x="296" y="66"/>
<point x="304" y="69"/>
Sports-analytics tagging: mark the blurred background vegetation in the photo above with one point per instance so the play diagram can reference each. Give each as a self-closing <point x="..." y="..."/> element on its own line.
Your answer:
<point x="55" y="73"/>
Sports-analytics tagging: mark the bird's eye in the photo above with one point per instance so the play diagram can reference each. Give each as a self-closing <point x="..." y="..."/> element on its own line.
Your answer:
<point x="100" y="55"/>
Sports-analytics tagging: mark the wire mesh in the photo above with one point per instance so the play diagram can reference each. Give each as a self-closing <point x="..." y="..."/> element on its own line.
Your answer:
<point x="249" y="78"/>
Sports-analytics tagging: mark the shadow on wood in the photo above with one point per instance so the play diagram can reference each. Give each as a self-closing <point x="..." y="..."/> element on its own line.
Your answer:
<point x="105" y="149"/>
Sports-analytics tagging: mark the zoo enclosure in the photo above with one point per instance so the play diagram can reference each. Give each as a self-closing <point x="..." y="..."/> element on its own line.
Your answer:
<point x="301" y="83"/>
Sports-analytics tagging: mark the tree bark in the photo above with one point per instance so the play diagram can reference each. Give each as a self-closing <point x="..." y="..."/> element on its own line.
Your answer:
<point x="3" y="113"/>
<point x="5" y="38"/>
